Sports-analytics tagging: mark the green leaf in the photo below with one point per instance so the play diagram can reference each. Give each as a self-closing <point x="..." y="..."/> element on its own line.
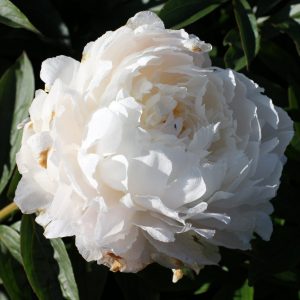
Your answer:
<point x="294" y="96"/>
<point x="247" y="26"/>
<point x="16" y="226"/>
<point x="199" y="15"/>
<point x="91" y="278"/>
<point x="10" y="239"/>
<point x="294" y="32"/>
<point x="50" y="24"/>
<point x="272" y="89"/>
<point x="288" y="276"/>
<point x="66" y="275"/>
<point x="294" y="104"/>
<point x="15" y="178"/>
<point x="3" y="296"/>
<point x="286" y="20"/>
<point x="203" y="289"/>
<point x="13" y="276"/>
<point x="285" y="67"/>
<point x="39" y="264"/>
<point x="180" y="13"/>
<point x="234" y="57"/>
<point x="294" y="11"/>
<point x="230" y="285"/>
<point x="264" y="6"/>
<point x="11" y="16"/>
<point x="246" y="292"/>
<point x="16" y="89"/>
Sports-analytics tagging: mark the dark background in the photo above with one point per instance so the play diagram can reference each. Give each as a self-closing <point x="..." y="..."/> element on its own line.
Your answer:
<point x="269" y="271"/>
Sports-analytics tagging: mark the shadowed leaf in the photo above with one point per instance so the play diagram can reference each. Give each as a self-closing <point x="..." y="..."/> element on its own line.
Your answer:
<point x="16" y="90"/>
<point x="11" y="16"/>
<point x="247" y="26"/>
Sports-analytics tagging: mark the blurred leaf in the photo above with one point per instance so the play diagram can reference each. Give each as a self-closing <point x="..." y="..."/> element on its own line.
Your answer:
<point x="288" y="276"/>
<point x="294" y="32"/>
<point x="247" y="26"/>
<point x="15" y="178"/>
<point x="16" y="226"/>
<point x="272" y="89"/>
<point x="285" y="67"/>
<point x="287" y="196"/>
<point x="16" y="86"/>
<point x="10" y="239"/>
<point x="294" y="96"/>
<point x="91" y="278"/>
<point x="51" y="23"/>
<point x="230" y="285"/>
<point x="278" y="221"/>
<point x="11" y="16"/>
<point x="246" y="292"/>
<point x="207" y="8"/>
<point x="13" y="277"/>
<point x="292" y="28"/>
<point x="39" y="264"/>
<point x="264" y="6"/>
<point x="287" y="20"/>
<point x="3" y="296"/>
<point x="203" y="289"/>
<point x="66" y="275"/>
<point x="182" y="12"/>
<point x="294" y="105"/>
<point x="234" y="57"/>
<point x="294" y="11"/>
<point x="293" y="24"/>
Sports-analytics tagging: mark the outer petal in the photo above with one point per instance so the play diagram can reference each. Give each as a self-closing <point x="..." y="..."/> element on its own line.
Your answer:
<point x="30" y="197"/>
<point x="145" y="18"/>
<point x="148" y="175"/>
<point x="62" y="67"/>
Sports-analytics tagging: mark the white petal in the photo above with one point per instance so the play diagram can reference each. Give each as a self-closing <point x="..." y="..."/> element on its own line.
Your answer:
<point x="145" y="18"/>
<point x="88" y="163"/>
<point x="203" y="138"/>
<point x="187" y="250"/>
<point x="62" y="67"/>
<point x="39" y="142"/>
<point x="148" y="175"/>
<point x="103" y="126"/>
<point x="113" y="172"/>
<point x="156" y="228"/>
<point x="155" y="204"/>
<point x="30" y="197"/>
<point x="205" y="233"/>
<point x="263" y="226"/>
<point x="186" y="189"/>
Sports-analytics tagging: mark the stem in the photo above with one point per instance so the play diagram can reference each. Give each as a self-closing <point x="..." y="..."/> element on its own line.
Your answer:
<point x="7" y="211"/>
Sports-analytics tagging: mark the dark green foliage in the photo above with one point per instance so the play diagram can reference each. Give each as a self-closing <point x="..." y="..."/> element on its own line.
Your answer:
<point x="16" y="91"/>
<point x="260" y="38"/>
<point x="46" y="263"/>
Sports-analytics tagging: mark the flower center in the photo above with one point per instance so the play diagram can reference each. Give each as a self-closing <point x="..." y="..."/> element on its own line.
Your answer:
<point x="169" y="113"/>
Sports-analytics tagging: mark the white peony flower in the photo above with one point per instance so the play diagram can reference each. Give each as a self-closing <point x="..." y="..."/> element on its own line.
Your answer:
<point x="145" y="153"/>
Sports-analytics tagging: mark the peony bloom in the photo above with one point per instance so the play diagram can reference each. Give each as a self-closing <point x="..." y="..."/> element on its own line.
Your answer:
<point x="145" y="153"/>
